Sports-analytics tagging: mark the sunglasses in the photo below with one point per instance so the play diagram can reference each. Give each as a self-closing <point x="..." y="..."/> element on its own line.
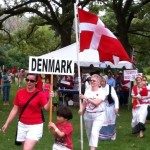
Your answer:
<point x="32" y="81"/>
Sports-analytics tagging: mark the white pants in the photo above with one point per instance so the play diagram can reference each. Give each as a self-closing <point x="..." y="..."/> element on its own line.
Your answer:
<point x="139" y="114"/>
<point x="59" y="147"/>
<point x="33" y="132"/>
<point x="93" y="124"/>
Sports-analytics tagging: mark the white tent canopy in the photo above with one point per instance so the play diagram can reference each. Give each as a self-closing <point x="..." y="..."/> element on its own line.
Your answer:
<point x="121" y="64"/>
<point x="86" y="58"/>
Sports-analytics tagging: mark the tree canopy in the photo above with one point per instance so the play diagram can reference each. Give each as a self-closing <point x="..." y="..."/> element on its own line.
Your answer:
<point x="126" y="18"/>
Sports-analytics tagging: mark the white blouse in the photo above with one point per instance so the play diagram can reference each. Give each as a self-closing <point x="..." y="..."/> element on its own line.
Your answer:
<point x="99" y="94"/>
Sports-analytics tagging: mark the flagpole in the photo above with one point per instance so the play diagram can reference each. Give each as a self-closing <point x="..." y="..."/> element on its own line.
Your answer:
<point x="51" y="98"/>
<point x="79" y="74"/>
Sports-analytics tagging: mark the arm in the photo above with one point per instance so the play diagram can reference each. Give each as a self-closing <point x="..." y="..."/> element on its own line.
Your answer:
<point x="146" y="97"/>
<point x="94" y="101"/>
<point x="55" y="131"/>
<point x="83" y="105"/>
<point x="47" y="105"/>
<point x="10" y="118"/>
<point x="115" y="98"/>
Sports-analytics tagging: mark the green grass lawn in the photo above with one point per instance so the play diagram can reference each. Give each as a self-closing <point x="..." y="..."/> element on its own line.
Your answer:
<point x="125" y="140"/>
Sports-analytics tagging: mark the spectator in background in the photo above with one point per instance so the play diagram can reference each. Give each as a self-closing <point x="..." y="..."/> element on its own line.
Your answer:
<point x="110" y="79"/>
<point x="75" y="81"/>
<point x="118" y="78"/>
<point x="39" y="84"/>
<point x="66" y="82"/>
<point x="0" y="80"/>
<point x="21" y="75"/>
<point x="13" y="71"/>
<point x="5" y="87"/>
<point x="88" y="81"/>
<point x="125" y="86"/>
<point x="85" y="83"/>
<point x="47" y="88"/>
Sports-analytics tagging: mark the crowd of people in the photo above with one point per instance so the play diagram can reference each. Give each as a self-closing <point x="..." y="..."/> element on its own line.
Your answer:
<point x="101" y="96"/>
<point x="7" y="77"/>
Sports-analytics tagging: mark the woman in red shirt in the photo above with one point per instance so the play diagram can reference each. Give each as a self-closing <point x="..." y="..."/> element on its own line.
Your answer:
<point x="30" y="125"/>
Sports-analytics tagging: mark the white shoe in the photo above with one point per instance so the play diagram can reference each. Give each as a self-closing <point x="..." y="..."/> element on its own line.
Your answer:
<point x="113" y="137"/>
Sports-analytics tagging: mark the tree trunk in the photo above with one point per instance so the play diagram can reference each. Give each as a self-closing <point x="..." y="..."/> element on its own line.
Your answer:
<point x="123" y="36"/>
<point x="65" y="36"/>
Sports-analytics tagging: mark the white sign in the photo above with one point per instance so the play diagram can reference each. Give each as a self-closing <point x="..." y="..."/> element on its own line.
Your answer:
<point x="41" y="65"/>
<point x="130" y="74"/>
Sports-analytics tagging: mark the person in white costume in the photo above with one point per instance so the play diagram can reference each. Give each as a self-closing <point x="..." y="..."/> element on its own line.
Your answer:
<point x="108" y="131"/>
<point x="140" y="102"/>
<point x="93" y="110"/>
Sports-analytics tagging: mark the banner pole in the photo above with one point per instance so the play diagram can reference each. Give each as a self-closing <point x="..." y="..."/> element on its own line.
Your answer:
<point x="79" y="74"/>
<point x="51" y="98"/>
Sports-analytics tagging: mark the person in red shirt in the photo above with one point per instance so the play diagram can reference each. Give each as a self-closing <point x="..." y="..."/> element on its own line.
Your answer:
<point x="62" y="129"/>
<point x="39" y="84"/>
<point x="47" y="88"/>
<point x="30" y="125"/>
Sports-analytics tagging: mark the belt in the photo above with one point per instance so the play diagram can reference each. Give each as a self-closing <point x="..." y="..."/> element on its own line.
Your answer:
<point x="94" y="112"/>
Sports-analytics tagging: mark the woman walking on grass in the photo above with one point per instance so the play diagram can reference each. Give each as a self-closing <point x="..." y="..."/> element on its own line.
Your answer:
<point x="140" y="103"/>
<point x="30" y="125"/>
<point x="108" y="131"/>
<point x="93" y="110"/>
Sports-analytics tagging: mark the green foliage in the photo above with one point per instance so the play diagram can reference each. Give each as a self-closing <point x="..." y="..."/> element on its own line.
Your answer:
<point x="23" y="45"/>
<point x="42" y="41"/>
<point x="2" y="57"/>
<point x="110" y="21"/>
<point x="60" y="19"/>
<point x="17" y="58"/>
<point x="147" y="71"/>
<point x="140" y="40"/>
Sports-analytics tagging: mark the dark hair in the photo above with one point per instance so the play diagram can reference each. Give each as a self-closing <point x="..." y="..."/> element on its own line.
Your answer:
<point x="65" y="112"/>
<point x="36" y="76"/>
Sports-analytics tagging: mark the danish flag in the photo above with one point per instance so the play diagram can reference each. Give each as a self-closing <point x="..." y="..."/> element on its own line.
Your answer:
<point x="94" y="35"/>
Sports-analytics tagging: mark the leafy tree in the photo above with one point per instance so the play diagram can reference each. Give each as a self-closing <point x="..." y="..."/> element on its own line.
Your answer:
<point x="137" y="34"/>
<point x="140" y="35"/>
<point x="2" y="57"/>
<point x="21" y="47"/>
<point x="50" y="14"/>
<point x="59" y="14"/>
<point x="42" y="41"/>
